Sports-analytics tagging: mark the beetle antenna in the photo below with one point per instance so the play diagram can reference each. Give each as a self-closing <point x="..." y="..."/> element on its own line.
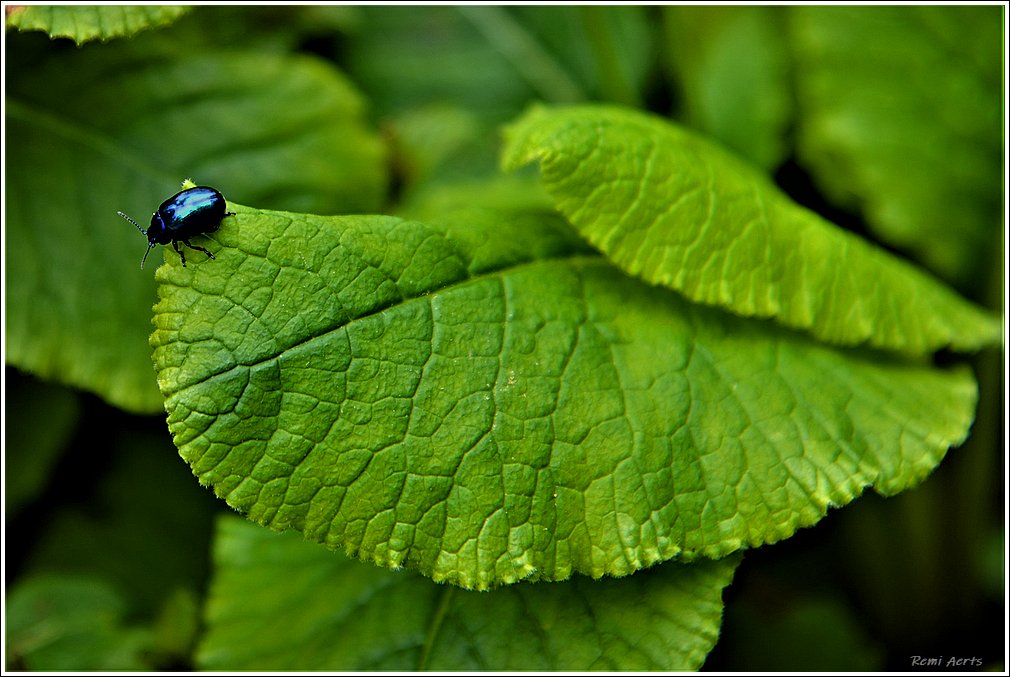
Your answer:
<point x="144" y="232"/>
<point x="143" y="260"/>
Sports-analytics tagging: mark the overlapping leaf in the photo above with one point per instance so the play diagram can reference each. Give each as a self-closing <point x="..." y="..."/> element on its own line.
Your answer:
<point x="672" y="208"/>
<point x="485" y="402"/>
<point x="337" y="614"/>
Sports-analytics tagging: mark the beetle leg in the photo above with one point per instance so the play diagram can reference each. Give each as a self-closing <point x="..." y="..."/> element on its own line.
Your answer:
<point x="175" y="244"/>
<point x="193" y="246"/>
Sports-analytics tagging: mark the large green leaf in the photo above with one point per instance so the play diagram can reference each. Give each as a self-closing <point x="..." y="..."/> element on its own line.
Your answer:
<point x="100" y="129"/>
<point x="485" y="402"/>
<point x="90" y="23"/>
<point x="900" y="116"/>
<point x="672" y="208"/>
<point x="315" y="610"/>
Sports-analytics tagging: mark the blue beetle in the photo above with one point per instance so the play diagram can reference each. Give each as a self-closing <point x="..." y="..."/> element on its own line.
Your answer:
<point x="193" y="211"/>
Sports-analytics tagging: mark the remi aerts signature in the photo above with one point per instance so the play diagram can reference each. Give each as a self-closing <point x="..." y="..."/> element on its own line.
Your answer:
<point x="945" y="662"/>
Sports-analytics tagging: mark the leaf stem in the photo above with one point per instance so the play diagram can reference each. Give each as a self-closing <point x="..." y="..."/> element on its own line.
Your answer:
<point x="435" y="627"/>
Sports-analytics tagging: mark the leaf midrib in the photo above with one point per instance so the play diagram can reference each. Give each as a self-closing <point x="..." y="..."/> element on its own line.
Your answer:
<point x="471" y="279"/>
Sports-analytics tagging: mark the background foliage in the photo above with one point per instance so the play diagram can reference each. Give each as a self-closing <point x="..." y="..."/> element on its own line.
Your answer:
<point x="883" y="120"/>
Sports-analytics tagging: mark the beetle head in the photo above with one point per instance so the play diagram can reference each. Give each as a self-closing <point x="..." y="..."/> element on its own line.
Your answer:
<point x="157" y="232"/>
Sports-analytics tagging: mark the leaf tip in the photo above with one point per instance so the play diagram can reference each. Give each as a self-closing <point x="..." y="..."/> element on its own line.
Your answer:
<point x="519" y="149"/>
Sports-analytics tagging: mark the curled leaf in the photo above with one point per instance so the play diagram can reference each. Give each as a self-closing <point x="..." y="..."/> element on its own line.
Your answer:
<point x="673" y="209"/>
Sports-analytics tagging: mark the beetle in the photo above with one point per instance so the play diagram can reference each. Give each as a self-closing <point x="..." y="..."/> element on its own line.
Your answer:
<point x="194" y="211"/>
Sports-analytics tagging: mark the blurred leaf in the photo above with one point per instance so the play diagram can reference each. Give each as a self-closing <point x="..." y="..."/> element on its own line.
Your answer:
<point x="448" y="159"/>
<point x="145" y="526"/>
<point x="607" y="49"/>
<point x="731" y="64"/>
<point x="411" y="56"/>
<point x="558" y="54"/>
<point x="432" y="141"/>
<point x="178" y="626"/>
<point x="534" y="64"/>
<point x="70" y="623"/>
<point x="101" y="129"/>
<point x="280" y="29"/>
<point x="82" y="24"/>
<point x="900" y="116"/>
<point x="43" y="417"/>
<point x="481" y="400"/>
<point x="676" y="210"/>
<point x="337" y="614"/>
